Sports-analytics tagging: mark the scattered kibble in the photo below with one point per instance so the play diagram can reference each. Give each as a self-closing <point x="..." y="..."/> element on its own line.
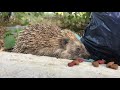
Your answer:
<point x="95" y="64"/>
<point x="109" y="64"/>
<point x="114" y="66"/>
<point x="75" y="62"/>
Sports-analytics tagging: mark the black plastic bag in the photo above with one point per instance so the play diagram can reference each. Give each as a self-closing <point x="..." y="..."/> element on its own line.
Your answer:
<point x="102" y="36"/>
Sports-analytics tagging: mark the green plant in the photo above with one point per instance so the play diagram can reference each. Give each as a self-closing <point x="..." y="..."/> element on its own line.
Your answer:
<point x="9" y="42"/>
<point x="10" y="38"/>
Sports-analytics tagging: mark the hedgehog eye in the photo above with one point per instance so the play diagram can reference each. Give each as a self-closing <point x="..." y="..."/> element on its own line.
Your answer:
<point x="78" y="49"/>
<point x="64" y="41"/>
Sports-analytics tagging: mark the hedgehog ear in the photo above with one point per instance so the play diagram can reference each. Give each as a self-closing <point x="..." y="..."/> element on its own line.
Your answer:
<point x="64" y="42"/>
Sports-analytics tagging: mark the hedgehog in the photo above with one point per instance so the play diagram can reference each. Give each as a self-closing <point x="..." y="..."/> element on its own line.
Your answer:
<point x="1" y="45"/>
<point x="45" y="39"/>
<point x="2" y="32"/>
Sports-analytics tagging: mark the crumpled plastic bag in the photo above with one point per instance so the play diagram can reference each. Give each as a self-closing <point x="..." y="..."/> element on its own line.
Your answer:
<point x="102" y="36"/>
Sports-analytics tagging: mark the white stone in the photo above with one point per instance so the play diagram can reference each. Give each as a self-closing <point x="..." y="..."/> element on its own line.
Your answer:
<point x="14" y="65"/>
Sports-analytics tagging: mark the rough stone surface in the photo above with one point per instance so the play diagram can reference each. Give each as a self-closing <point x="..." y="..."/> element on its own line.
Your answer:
<point x="14" y="65"/>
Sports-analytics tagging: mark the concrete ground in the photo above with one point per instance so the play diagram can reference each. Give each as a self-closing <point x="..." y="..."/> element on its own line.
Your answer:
<point x="14" y="65"/>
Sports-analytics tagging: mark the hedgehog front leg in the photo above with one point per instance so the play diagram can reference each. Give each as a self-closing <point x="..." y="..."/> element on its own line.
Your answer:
<point x="46" y="52"/>
<point x="57" y="53"/>
<point x="65" y="55"/>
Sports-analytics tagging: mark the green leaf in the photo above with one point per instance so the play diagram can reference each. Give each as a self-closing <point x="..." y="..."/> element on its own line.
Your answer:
<point x="9" y="41"/>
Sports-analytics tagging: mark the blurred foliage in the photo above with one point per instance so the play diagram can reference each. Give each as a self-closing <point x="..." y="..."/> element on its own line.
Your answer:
<point x="26" y="18"/>
<point x="3" y="15"/>
<point x="75" y="21"/>
<point x="20" y="18"/>
<point x="4" y="18"/>
<point x="72" y="20"/>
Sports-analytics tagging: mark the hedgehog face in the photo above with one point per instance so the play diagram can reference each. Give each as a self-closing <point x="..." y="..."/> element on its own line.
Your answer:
<point x="73" y="49"/>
